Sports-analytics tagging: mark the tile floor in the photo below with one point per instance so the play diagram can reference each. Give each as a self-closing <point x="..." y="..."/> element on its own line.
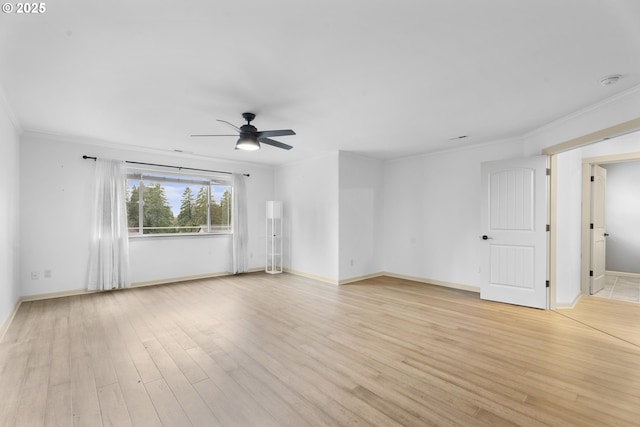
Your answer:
<point x="621" y="288"/>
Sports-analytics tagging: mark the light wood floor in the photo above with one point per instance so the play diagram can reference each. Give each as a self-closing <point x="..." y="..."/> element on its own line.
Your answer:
<point x="261" y="350"/>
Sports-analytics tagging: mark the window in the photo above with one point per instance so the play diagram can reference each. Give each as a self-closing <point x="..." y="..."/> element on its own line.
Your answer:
<point x="173" y="204"/>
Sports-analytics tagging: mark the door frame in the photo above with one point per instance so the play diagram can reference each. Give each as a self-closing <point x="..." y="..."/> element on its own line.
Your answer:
<point x="581" y="141"/>
<point x="587" y="164"/>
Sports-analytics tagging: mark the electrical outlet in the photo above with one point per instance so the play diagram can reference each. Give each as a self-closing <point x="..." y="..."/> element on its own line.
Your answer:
<point x="35" y="275"/>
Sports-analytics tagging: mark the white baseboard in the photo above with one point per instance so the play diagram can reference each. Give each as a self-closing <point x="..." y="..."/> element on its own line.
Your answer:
<point x="329" y="280"/>
<point x="74" y="292"/>
<point x="460" y="286"/>
<point x="311" y="276"/>
<point x="51" y="295"/>
<point x="5" y="325"/>
<point x="178" y="279"/>
<point x="444" y="284"/>
<point x="571" y="305"/>
<point x="622" y="274"/>
<point x="360" y="278"/>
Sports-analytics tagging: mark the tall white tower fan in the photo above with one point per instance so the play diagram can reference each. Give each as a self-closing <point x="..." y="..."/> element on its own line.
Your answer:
<point x="274" y="237"/>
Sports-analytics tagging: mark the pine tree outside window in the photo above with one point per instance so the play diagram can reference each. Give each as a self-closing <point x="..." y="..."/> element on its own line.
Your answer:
<point x="178" y="204"/>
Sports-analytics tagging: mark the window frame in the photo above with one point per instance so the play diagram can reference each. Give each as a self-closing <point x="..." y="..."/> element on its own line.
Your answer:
<point x="141" y="174"/>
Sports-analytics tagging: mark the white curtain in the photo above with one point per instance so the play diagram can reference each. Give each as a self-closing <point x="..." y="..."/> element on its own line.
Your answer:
<point x="239" y="225"/>
<point x="109" y="263"/>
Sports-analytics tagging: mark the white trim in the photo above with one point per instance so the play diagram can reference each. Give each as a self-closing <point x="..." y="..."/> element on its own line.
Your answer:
<point x="75" y="292"/>
<point x="578" y="113"/>
<point x="171" y="236"/>
<point x="177" y="279"/>
<point x="610" y="132"/>
<point x="360" y="278"/>
<point x="5" y="325"/>
<point x="51" y="295"/>
<point x="612" y="158"/>
<point x="585" y="230"/>
<point x="552" y="237"/>
<point x="571" y="305"/>
<point x="436" y="152"/>
<point x="622" y="274"/>
<point x="460" y="286"/>
<point x="233" y="165"/>
<point x="312" y="276"/>
<point x="452" y="285"/>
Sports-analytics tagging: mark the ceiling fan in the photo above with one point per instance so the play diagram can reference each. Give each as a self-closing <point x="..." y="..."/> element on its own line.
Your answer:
<point x="250" y="137"/>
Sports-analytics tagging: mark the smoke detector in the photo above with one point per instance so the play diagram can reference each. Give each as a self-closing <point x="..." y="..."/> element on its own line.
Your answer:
<point x="610" y="80"/>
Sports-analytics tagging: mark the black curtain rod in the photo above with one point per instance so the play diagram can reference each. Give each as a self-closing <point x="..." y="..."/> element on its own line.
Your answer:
<point x="167" y="166"/>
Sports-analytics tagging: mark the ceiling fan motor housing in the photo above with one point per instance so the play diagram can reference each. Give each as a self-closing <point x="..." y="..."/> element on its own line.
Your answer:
<point x="248" y="130"/>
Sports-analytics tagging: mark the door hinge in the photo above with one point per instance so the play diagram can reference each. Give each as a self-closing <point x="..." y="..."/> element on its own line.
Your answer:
<point x="591" y="226"/>
<point x="548" y="172"/>
<point x="593" y="178"/>
<point x="547" y="283"/>
<point x="590" y="273"/>
<point x="548" y="227"/>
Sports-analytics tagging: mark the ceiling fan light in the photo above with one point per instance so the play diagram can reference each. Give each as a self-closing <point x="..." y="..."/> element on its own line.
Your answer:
<point x="247" y="144"/>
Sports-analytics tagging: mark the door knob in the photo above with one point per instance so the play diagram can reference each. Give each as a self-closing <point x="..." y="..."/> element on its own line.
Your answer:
<point x="606" y="234"/>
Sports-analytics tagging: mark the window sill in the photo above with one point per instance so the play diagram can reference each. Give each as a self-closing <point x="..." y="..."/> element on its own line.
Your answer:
<point x="177" y="235"/>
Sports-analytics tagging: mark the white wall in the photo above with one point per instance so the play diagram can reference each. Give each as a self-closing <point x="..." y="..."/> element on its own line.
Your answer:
<point x="309" y="192"/>
<point x="56" y="206"/>
<point x="432" y="213"/>
<point x="569" y="226"/>
<point x="622" y="213"/>
<point x="9" y="218"/>
<point x="361" y="208"/>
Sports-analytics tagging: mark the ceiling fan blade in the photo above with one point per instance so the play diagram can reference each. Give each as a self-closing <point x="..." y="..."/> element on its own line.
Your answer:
<point x="270" y="133"/>
<point x="230" y="124"/>
<point x="274" y="143"/>
<point x="213" y="135"/>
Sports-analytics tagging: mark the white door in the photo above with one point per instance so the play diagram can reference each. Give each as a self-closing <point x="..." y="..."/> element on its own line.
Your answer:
<point x="514" y="220"/>
<point x="598" y="230"/>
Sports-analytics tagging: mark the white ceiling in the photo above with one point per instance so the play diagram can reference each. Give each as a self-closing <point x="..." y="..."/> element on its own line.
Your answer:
<point x="382" y="78"/>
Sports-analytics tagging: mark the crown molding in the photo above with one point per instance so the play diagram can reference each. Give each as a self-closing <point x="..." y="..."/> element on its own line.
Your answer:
<point x="581" y="112"/>
<point x="94" y="142"/>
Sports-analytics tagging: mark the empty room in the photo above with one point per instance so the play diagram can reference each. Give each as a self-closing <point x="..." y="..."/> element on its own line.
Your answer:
<point x="280" y="213"/>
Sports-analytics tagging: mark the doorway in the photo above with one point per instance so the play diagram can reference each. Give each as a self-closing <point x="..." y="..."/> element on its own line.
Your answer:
<point x="611" y="250"/>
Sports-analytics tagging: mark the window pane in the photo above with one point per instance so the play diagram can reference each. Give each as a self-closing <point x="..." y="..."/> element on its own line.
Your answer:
<point x="158" y="214"/>
<point x="133" y="206"/>
<point x="221" y="207"/>
<point x="190" y="207"/>
<point x="177" y="204"/>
